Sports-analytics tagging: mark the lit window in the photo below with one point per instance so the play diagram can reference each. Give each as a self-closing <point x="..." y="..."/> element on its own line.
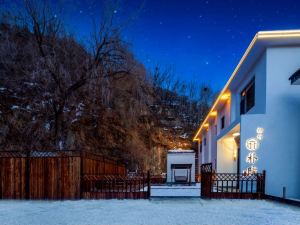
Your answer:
<point x="248" y="97"/>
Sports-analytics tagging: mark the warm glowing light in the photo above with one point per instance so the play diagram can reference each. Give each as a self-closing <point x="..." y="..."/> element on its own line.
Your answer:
<point x="278" y="34"/>
<point x="262" y="35"/>
<point x="206" y="125"/>
<point x="250" y="170"/>
<point x="225" y="96"/>
<point x="234" y="154"/>
<point x="260" y="130"/>
<point x="251" y="158"/>
<point x="259" y="133"/>
<point x="236" y="134"/>
<point x="213" y="113"/>
<point x="252" y="144"/>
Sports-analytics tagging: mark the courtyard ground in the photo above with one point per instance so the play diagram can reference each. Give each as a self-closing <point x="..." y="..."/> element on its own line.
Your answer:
<point x="156" y="211"/>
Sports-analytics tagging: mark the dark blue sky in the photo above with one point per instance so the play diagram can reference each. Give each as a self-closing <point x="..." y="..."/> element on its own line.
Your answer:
<point x="202" y="40"/>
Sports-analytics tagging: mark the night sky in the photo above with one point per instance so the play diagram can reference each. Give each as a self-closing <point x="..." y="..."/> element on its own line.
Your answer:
<point x="200" y="40"/>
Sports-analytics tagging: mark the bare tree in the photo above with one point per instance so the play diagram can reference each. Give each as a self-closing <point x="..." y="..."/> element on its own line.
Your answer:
<point x="65" y="68"/>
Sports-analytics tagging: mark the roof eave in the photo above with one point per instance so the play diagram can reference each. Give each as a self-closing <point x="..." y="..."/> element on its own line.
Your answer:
<point x="262" y="35"/>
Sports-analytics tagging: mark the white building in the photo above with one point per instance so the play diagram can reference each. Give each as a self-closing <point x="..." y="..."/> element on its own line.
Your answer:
<point x="254" y="124"/>
<point x="181" y="166"/>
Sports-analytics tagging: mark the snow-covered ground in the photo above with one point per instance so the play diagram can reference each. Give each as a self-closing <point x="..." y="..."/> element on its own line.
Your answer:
<point x="176" y="191"/>
<point x="155" y="211"/>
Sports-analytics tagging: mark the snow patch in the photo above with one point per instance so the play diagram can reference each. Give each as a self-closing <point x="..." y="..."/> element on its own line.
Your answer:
<point x="30" y="84"/>
<point x="178" y="127"/>
<point x="78" y="114"/>
<point x="61" y="145"/>
<point x="79" y="109"/>
<point x="190" y="211"/>
<point x="184" y="136"/>
<point x="47" y="126"/>
<point x="66" y="109"/>
<point x="13" y="107"/>
<point x="74" y="120"/>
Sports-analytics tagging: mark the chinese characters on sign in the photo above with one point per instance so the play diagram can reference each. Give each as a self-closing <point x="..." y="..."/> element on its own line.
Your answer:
<point x="251" y="170"/>
<point x="259" y="133"/>
<point x="251" y="158"/>
<point x="252" y="144"/>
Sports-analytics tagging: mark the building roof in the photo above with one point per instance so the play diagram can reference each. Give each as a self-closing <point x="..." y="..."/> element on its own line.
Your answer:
<point x="261" y="41"/>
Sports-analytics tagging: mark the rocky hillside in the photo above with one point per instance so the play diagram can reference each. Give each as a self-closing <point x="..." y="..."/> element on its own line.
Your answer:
<point x="58" y="94"/>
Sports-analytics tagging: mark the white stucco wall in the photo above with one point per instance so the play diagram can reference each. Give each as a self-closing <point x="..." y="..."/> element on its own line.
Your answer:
<point x="258" y="71"/>
<point x="283" y="122"/>
<point x="279" y="152"/>
<point x="224" y="111"/>
<point x="180" y="158"/>
<point x="205" y="147"/>
<point x="231" y="110"/>
<point x="277" y="110"/>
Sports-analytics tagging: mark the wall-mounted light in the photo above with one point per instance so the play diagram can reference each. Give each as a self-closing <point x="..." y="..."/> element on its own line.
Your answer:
<point x="225" y="96"/>
<point x="234" y="154"/>
<point x="213" y="113"/>
<point x="206" y="125"/>
<point x="236" y="134"/>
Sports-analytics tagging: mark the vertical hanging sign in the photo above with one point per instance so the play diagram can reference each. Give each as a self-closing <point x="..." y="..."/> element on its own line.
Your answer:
<point x="252" y="145"/>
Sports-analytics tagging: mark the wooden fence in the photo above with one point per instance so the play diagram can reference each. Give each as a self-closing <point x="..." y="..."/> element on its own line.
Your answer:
<point x="120" y="187"/>
<point x="158" y="179"/>
<point x="231" y="185"/>
<point x="51" y="174"/>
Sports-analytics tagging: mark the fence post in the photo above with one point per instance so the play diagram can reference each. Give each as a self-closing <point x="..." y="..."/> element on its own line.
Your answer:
<point x="149" y="184"/>
<point x="81" y="173"/>
<point x="206" y="180"/>
<point x="1" y="183"/>
<point x="27" y="175"/>
<point x="264" y="183"/>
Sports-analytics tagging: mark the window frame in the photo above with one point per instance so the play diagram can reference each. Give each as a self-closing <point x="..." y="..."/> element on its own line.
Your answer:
<point x="247" y="95"/>
<point x="222" y="122"/>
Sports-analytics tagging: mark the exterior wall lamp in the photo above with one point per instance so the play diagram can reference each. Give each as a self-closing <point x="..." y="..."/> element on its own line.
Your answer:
<point x="225" y="96"/>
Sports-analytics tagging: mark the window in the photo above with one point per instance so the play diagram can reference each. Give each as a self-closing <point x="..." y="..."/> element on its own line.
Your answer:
<point x="204" y="141"/>
<point x="222" y="122"/>
<point x="200" y="147"/>
<point x="248" y="97"/>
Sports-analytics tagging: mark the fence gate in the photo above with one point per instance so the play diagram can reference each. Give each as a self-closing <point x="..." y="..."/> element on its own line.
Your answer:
<point x="206" y="176"/>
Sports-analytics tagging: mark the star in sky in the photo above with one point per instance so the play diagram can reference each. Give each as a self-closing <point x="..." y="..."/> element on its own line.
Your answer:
<point x="184" y="33"/>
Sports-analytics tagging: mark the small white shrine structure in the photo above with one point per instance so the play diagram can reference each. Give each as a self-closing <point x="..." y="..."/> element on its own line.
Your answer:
<point x="181" y="166"/>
